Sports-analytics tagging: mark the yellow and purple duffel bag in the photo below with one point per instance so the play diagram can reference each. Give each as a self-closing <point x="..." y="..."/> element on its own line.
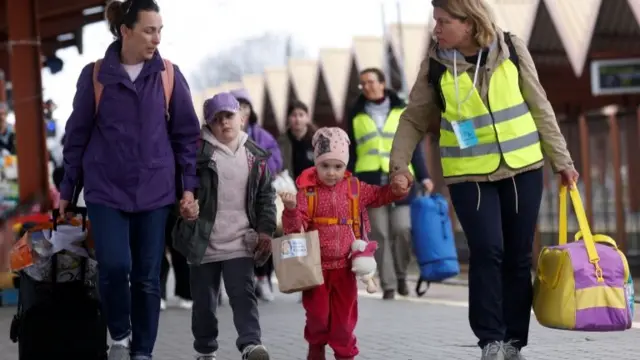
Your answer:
<point x="581" y="285"/>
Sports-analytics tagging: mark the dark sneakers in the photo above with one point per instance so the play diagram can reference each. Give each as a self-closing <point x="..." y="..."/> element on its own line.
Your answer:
<point x="403" y="289"/>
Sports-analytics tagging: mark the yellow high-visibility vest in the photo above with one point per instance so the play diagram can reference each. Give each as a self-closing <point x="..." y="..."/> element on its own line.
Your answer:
<point x="373" y="146"/>
<point x="506" y="132"/>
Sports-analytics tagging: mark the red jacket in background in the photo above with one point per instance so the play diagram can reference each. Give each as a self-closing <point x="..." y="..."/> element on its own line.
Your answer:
<point x="333" y="202"/>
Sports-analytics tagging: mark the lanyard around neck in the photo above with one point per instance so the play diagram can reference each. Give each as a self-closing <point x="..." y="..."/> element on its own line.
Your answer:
<point x="455" y="81"/>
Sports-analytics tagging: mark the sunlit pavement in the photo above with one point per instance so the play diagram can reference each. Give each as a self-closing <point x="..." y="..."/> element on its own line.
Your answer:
<point x="433" y="327"/>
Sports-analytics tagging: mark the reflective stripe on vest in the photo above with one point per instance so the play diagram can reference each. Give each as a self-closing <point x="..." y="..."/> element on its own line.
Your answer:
<point x="373" y="146"/>
<point x="507" y="132"/>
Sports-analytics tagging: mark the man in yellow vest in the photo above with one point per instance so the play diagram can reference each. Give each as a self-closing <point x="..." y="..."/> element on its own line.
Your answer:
<point x="371" y="127"/>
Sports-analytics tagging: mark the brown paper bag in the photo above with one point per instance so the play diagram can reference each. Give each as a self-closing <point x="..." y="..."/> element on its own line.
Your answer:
<point x="296" y="259"/>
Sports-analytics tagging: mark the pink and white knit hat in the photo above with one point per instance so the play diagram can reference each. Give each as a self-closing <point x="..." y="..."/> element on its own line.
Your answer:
<point x="331" y="143"/>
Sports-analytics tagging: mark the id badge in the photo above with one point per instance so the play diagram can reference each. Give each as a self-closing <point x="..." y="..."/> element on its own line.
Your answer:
<point x="465" y="133"/>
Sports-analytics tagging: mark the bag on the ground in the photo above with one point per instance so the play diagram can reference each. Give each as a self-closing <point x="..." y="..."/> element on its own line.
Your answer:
<point x="584" y="285"/>
<point x="433" y="240"/>
<point x="296" y="259"/>
<point x="60" y="319"/>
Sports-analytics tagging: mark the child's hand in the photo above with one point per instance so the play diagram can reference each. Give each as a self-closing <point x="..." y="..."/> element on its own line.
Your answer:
<point x="289" y="200"/>
<point x="400" y="185"/>
<point x="189" y="210"/>
<point x="263" y="249"/>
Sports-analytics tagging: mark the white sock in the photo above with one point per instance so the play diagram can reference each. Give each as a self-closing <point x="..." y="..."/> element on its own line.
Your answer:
<point x="124" y="342"/>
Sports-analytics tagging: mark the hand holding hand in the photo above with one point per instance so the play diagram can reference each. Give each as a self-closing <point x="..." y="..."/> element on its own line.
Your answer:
<point x="190" y="211"/>
<point x="187" y="197"/>
<point x="400" y="184"/>
<point x="289" y="200"/>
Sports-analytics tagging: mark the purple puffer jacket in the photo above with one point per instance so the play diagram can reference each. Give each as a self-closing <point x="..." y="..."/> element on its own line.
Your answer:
<point x="266" y="141"/>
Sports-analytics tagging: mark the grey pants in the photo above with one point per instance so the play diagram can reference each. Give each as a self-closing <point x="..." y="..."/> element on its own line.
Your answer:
<point x="391" y="227"/>
<point x="205" y="287"/>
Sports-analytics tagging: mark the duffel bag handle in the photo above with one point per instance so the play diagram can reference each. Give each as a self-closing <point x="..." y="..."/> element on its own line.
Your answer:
<point x="598" y="238"/>
<point x="583" y="224"/>
<point x="420" y="289"/>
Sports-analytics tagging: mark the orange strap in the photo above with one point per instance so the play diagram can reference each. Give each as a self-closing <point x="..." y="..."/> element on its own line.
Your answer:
<point x="167" y="75"/>
<point x="354" y="208"/>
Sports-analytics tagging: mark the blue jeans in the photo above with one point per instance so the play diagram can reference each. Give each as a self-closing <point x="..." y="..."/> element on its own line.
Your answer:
<point x="129" y="250"/>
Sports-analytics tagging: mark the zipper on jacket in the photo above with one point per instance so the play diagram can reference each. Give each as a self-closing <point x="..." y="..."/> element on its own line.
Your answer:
<point x="252" y="175"/>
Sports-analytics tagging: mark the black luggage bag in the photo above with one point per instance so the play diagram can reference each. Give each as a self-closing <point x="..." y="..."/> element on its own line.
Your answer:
<point x="59" y="319"/>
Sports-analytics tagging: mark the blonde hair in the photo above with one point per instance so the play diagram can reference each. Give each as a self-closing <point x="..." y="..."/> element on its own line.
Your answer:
<point x="477" y="12"/>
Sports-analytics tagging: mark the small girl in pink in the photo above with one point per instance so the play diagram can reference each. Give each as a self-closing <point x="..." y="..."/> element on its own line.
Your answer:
<point x="332" y="308"/>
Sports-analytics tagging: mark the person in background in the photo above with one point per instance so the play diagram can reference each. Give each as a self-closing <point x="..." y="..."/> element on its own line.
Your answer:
<point x="129" y="152"/>
<point x="58" y="171"/>
<point x="264" y="287"/>
<point x="371" y="127"/>
<point x="7" y="134"/>
<point x="180" y="271"/>
<point x="494" y="173"/>
<point x="234" y="218"/>
<point x="295" y="143"/>
<point x="256" y="132"/>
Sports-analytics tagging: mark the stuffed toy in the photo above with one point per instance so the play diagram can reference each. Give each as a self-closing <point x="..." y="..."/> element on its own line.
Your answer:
<point x="364" y="263"/>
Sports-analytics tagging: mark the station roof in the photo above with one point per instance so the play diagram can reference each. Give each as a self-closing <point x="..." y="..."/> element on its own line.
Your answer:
<point x="60" y="22"/>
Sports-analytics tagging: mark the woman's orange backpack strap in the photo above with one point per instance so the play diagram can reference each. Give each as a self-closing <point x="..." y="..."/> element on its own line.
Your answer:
<point x="167" y="75"/>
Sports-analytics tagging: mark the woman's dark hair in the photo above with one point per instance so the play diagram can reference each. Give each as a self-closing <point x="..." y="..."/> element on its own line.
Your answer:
<point x="120" y="13"/>
<point x="253" y="117"/>
<point x="297" y="105"/>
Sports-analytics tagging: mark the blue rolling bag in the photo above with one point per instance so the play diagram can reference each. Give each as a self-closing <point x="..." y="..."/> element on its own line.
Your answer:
<point x="433" y="241"/>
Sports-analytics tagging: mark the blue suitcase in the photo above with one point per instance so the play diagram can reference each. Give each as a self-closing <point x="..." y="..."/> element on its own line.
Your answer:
<point x="433" y="241"/>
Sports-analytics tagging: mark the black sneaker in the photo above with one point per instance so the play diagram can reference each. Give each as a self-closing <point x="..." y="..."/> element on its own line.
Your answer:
<point x="403" y="289"/>
<point x="389" y="295"/>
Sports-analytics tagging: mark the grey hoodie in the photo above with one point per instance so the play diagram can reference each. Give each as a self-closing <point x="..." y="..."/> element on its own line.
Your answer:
<point x="232" y="236"/>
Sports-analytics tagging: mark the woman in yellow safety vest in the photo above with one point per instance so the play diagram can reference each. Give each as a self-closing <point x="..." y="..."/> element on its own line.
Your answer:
<point x="478" y="92"/>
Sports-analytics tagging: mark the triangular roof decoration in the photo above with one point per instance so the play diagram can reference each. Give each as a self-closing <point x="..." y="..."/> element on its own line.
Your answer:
<point x="369" y="52"/>
<point x="635" y="7"/>
<point x="304" y="77"/>
<point x="254" y="84"/>
<point x="335" y="65"/>
<point x="575" y="21"/>
<point x="277" y="82"/>
<point x="518" y="16"/>
<point x="412" y="48"/>
<point x="498" y="16"/>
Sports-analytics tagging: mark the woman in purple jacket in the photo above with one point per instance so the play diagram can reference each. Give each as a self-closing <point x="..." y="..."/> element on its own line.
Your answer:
<point x="266" y="141"/>
<point x="134" y="159"/>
